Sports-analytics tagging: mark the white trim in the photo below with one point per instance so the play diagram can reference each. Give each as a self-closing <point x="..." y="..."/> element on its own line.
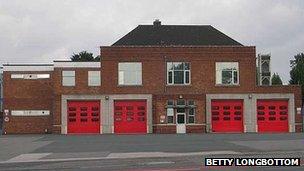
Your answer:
<point x="28" y="67"/>
<point x="68" y="64"/>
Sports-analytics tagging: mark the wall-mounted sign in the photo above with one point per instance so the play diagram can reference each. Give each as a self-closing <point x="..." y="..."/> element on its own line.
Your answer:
<point x="6" y="111"/>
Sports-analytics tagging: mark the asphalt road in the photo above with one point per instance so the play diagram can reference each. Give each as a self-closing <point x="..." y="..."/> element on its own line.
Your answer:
<point x="143" y="152"/>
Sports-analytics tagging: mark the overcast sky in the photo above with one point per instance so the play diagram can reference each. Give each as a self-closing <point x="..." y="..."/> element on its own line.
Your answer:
<point x="42" y="31"/>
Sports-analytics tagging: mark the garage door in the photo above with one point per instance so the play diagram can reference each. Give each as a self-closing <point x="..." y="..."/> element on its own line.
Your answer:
<point x="227" y="115"/>
<point x="272" y="115"/>
<point x="130" y="117"/>
<point x="83" y="117"/>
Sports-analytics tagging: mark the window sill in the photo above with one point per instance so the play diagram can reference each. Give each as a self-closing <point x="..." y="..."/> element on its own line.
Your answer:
<point x="177" y="85"/>
<point x="227" y="85"/>
<point x="94" y="85"/>
<point x="139" y="85"/>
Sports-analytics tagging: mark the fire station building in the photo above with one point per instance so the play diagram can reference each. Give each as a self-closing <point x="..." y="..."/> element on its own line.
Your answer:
<point x="156" y="79"/>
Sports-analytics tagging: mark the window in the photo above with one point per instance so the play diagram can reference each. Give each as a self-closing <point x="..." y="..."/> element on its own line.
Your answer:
<point x="227" y="73"/>
<point x="170" y="112"/>
<point x="94" y="78"/>
<point x="170" y="103"/>
<point x="191" y="115"/>
<point x="180" y="110"/>
<point x="178" y="73"/>
<point x="68" y="78"/>
<point x="180" y="102"/>
<point x="170" y="115"/>
<point x="130" y="73"/>
<point x="191" y="111"/>
<point x="191" y="103"/>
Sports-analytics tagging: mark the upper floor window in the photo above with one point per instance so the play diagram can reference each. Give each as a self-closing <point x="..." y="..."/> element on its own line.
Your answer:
<point x="68" y="78"/>
<point x="227" y="73"/>
<point x="178" y="73"/>
<point x="93" y="78"/>
<point x="130" y="73"/>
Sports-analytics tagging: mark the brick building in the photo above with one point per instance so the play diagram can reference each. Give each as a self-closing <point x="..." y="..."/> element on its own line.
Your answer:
<point x="156" y="79"/>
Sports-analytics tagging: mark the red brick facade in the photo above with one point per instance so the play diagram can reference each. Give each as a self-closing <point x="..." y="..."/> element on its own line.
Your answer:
<point x="47" y="93"/>
<point x="21" y="94"/>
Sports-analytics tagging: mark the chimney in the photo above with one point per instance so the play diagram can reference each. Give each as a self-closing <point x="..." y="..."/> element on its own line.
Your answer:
<point x="156" y="23"/>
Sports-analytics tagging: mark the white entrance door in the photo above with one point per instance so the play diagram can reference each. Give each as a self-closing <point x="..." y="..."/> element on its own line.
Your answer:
<point x="180" y="123"/>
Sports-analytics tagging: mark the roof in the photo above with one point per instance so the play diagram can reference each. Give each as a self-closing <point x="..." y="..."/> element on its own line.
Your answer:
<point x="172" y="35"/>
<point x="48" y="66"/>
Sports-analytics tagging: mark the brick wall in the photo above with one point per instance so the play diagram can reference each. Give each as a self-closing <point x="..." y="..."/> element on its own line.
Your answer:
<point x="202" y="61"/>
<point x="81" y="88"/>
<point x="46" y="93"/>
<point x="23" y="94"/>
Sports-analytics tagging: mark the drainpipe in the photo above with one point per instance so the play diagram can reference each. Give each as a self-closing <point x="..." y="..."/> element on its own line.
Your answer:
<point x="165" y="80"/>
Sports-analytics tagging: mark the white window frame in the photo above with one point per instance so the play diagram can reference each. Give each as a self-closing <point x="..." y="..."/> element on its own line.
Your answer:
<point x="170" y="113"/>
<point x="68" y="76"/>
<point x="94" y="78"/>
<point x="227" y="66"/>
<point x="194" y="113"/>
<point x="121" y="72"/>
<point x="172" y="73"/>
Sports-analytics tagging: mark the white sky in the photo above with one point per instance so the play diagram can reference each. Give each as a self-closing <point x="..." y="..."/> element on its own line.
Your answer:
<point x="42" y="31"/>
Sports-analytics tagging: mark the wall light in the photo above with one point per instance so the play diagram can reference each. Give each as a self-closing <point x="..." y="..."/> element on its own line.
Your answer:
<point x="107" y="97"/>
<point x="250" y="96"/>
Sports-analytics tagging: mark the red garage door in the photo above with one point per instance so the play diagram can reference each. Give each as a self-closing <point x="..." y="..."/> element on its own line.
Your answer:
<point x="130" y="117"/>
<point x="227" y="115"/>
<point x="83" y="117"/>
<point x="272" y="115"/>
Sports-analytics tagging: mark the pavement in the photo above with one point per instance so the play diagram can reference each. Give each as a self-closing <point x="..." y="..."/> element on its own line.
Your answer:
<point x="143" y="152"/>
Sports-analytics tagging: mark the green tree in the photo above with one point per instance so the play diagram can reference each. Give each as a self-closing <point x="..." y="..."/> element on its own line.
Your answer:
<point x="297" y="71"/>
<point x="97" y="58"/>
<point x="84" y="56"/>
<point x="276" y="79"/>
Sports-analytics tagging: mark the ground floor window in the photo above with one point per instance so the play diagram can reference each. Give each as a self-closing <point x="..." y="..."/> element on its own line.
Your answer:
<point x="170" y="115"/>
<point x="180" y="107"/>
<point x="191" y="115"/>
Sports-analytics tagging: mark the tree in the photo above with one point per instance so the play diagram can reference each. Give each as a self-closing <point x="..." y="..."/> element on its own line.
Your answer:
<point x="297" y="71"/>
<point x="84" y="56"/>
<point x="97" y="58"/>
<point x="276" y="79"/>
